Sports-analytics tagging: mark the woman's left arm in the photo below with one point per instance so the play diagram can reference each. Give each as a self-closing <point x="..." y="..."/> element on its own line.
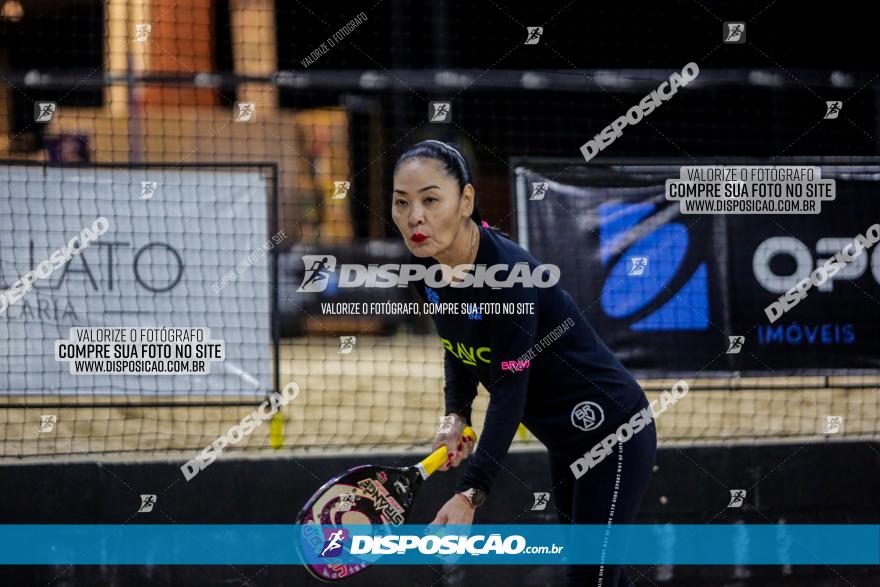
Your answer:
<point x="512" y="337"/>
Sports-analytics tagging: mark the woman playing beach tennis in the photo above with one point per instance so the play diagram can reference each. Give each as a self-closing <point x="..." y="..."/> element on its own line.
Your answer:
<point x="546" y="369"/>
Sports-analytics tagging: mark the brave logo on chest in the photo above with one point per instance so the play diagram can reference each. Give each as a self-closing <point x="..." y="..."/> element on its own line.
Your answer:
<point x="467" y="354"/>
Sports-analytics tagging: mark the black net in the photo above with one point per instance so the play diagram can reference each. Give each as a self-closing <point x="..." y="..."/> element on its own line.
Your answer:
<point x="260" y="118"/>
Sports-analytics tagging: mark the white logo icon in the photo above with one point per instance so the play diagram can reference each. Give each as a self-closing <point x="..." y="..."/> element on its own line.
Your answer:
<point x="832" y="109"/>
<point x="147" y="503"/>
<point x="147" y="189"/>
<point x="446" y="423"/>
<point x="539" y="190"/>
<point x="541" y="501"/>
<point x="736" y="344"/>
<point x="587" y="416"/>
<point x="735" y="32"/>
<point x="346" y="344"/>
<point x="346" y="500"/>
<point x="534" y="34"/>
<point x="637" y="266"/>
<point x="340" y="189"/>
<point x="737" y="497"/>
<point x="142" y="31"/>
<point x="244" y="111"/>
<point x="44" y="111"/>
<point x="318" y="270"/>
<point x="833" y="424"/>
<point x="440" y="112"/>
<point x="47" y="422"/>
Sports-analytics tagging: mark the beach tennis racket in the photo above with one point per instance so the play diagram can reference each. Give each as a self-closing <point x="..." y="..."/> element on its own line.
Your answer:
<point x="368" y="494"/>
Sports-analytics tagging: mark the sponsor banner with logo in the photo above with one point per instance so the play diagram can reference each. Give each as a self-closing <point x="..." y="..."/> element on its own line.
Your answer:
<point x="672" y="292"/>
<point x="835" y="325"/>
<point x="517" y="544"/>
<point x="169" y="242"/>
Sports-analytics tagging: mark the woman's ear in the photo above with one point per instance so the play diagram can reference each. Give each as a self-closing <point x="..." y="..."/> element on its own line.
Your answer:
<point x="468" y="197"/>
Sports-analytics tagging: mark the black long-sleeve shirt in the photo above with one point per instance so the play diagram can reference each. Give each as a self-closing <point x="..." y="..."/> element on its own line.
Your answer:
<point x="570" y="394"/>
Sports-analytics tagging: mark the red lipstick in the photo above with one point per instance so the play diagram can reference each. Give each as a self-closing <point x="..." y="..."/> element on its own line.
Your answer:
<point x="418" y="237"/>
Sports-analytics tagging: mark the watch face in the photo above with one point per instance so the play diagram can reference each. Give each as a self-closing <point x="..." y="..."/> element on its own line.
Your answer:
<point x="476" y="496"/>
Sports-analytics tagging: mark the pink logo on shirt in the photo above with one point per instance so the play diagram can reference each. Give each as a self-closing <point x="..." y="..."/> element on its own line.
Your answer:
<point x="515" y="365"/>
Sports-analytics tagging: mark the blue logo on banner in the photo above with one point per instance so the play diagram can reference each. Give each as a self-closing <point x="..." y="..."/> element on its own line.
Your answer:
<point x="655" y="259"/>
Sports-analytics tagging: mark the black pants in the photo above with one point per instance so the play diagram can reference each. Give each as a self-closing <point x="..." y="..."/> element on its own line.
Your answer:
<point x="610" y="493"/>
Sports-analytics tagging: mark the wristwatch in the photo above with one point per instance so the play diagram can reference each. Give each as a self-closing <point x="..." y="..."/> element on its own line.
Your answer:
<point x="475" y="496"/>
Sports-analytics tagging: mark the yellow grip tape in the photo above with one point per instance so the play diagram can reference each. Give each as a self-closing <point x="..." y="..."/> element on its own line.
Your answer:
<point x="438" y="457"/>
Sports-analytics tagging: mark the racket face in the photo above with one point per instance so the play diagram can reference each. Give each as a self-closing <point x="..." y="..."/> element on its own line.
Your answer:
<point x="363" y="495"/>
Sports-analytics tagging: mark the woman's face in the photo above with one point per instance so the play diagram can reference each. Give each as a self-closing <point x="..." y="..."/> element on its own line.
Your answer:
<point x="427" y="207"/>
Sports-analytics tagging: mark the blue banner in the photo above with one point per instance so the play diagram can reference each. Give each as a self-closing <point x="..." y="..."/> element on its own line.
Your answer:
<point x="669" y="544"/>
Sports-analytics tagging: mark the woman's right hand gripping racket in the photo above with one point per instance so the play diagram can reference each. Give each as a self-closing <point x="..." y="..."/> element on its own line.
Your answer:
<point x="368" y="494"/>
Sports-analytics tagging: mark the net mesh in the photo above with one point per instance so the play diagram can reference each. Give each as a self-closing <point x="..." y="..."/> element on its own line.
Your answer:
<point x="308" y="98"/>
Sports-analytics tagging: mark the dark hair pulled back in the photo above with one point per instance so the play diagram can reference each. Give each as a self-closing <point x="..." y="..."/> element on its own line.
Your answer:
<point x="453" y="162"/>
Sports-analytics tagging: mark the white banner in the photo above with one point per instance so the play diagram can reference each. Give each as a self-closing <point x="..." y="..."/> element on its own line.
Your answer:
<point x="174" y="233"/>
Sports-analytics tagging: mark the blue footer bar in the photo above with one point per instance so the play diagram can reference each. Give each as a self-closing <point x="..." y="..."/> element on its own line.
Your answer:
<point x="669" y="544"/>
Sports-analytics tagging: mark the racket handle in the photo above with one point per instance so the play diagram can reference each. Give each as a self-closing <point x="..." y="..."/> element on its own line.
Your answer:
<point x="438" y="457"/>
